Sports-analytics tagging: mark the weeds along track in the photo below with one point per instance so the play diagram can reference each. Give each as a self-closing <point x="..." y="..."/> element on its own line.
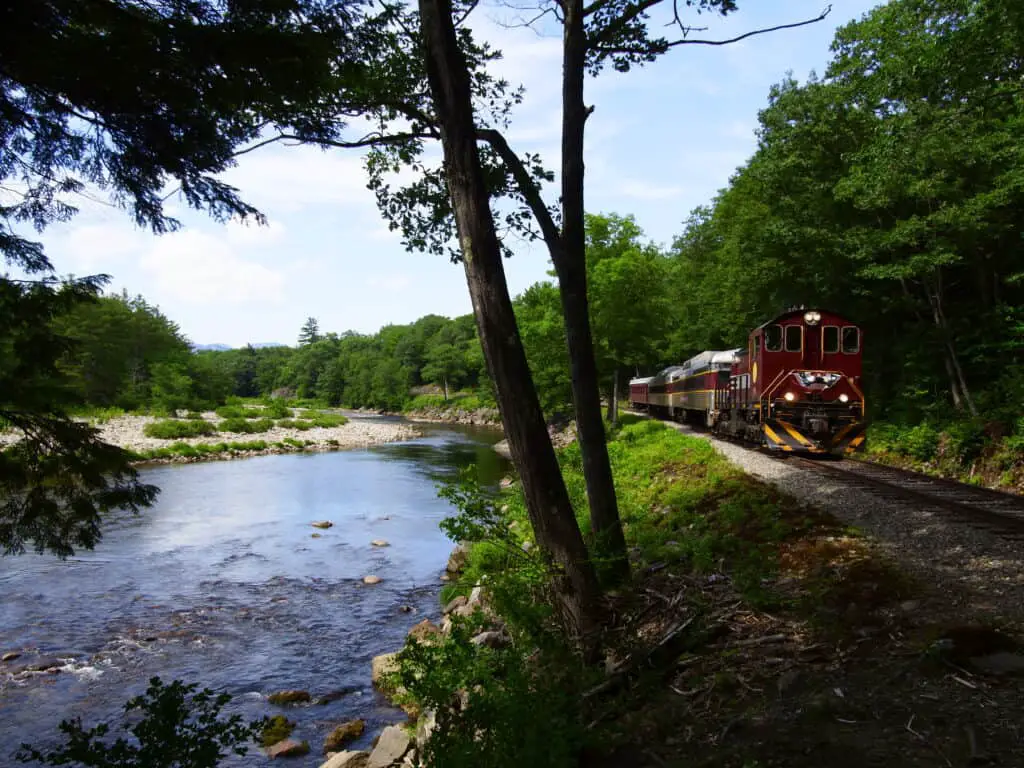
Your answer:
<point x="999" y="513"/>
<point x="996" y="512"/>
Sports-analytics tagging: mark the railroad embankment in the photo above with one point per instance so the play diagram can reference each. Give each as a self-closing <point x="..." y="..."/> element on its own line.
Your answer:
<point x="759" y="630"/>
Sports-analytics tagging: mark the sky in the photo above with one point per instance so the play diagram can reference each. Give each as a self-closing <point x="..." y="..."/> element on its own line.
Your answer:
<point x="661" y="141"/>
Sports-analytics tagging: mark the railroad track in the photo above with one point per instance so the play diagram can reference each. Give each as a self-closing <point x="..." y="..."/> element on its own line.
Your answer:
<point x="993" y="511"/>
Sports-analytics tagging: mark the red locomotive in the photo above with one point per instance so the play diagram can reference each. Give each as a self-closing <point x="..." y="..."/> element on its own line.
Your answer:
<point x="796" y="387"/>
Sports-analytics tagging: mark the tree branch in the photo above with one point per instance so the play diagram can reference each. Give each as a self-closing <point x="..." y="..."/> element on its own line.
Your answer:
<point x="630" y="14"/>
<point x="646" y="49"/>
<point x="527" y="186"/>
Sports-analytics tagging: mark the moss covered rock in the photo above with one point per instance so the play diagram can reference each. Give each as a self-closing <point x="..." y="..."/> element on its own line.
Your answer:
<point x="289" y="697"/>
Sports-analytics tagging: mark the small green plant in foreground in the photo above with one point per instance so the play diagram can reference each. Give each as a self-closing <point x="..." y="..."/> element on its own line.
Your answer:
<point x="179" y="726"/>
<point x="174" y="429"/>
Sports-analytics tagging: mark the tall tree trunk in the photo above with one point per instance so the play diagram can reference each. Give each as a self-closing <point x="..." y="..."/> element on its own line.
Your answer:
<point x="571" y="268"/>
<point x="445" y="380"/>
<point x="548" y="504"/>
<point x="953" y="367"/>
<point x="613" y="399"/>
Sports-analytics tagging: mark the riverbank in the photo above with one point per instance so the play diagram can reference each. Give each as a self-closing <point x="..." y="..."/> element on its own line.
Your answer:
<point x="129" y="432"/>
<point x="758" y="631"/>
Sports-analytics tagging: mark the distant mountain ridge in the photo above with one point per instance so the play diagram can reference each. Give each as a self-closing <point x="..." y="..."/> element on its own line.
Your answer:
<point x="225" y="347"/>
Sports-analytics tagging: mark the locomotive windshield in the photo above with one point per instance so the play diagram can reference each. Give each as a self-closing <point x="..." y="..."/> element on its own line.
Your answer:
<point x="830" y="339"/>
<point x="773" y="338"/>
<point x="851" y="339"/>
<point x="794" y="338"/>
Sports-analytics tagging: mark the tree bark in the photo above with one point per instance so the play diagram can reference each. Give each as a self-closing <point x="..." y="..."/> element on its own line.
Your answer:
<point x="953" y="367"/>
<point x="613" y="406"/>
<point x="571" y="268"/>
<point x="548" y="504"/>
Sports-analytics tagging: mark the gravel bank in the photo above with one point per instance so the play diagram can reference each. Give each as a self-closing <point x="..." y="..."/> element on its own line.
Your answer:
<point x="127" y="432"/>
<point x="977" y="574"/>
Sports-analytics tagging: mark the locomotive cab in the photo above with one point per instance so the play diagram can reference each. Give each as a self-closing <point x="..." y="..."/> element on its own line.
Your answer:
<point x="798" y="386"/>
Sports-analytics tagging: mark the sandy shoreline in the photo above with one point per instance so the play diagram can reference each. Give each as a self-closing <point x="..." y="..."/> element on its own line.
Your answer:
<point x="127" y="432"/>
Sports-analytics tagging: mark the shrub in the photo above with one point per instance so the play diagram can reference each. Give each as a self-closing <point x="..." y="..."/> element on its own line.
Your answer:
<point x="965" y="441"/>
<point x="920" y="442"/>
<point x="174" y="429"/>
<point x="245" y="426"/>
<point x="276" y="409"/>
<point x="178" y="725"/>
<point x="329" y="420"/>
<point x="295" y="424"/>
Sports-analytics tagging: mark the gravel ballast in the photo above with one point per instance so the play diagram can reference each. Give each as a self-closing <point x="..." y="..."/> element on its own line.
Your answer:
<point x="979" y="574"/>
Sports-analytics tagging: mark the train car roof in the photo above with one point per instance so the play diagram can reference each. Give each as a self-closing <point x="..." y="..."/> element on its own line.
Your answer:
<point x="640" y="380"/>
<point x="711" y="357"/>
<point x="794" y="312"/>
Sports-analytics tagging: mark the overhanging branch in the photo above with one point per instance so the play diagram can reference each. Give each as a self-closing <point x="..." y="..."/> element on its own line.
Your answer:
<point x="527" y="186"/>
<point x="641" y="49"/>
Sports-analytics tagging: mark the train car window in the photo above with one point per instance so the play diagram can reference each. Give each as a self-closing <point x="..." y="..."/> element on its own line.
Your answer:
<point x="851" y="339"/>
<point x="830" y="339"/>
<point x="794" y="338"/>
<point x="773" y="338"/>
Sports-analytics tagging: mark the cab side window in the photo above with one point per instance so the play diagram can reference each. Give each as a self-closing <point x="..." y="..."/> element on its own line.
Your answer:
<point x="851" y="339"/>
<point x="830" y="339"/>
<point x="773" y="338"/>
<point x="794" y="338"/>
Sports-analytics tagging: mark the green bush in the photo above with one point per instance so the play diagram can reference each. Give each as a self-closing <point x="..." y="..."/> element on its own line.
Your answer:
<point x="295" y="424"/>
<point x="276" y="409"/>
<point x="174" y="429"/>
<point x="178" y="726"/>
<point x="329" y="420"/>
<point x="245" y="426"/>
<point x="965" y="441"/>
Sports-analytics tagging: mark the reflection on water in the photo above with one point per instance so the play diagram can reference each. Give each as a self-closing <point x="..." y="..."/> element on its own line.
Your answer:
<point x="223" y="583"/>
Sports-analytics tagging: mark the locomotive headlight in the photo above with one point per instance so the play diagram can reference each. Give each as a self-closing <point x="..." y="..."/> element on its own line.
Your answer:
<point x="790" y="397"/>
<point x="812" y="318"/>
<point x="844" y="398"/>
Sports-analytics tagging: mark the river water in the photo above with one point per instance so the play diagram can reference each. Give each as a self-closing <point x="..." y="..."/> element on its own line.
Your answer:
<point x="222" y="583"/>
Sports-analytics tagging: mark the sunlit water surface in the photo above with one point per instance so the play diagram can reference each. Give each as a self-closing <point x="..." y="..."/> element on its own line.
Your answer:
<point x="222" y="583"/>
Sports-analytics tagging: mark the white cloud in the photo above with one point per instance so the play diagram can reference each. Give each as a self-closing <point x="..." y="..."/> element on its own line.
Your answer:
<point x="292" y="178"/>
<point x="97" y="247"/>
<point x="198" y="268"/>
<point x="249" y="233"/>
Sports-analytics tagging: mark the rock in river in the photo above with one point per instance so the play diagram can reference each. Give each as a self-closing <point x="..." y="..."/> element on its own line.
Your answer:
<point x="380" y="543"/>
<point x="288" y="748"/>
<point x="347" y="760"/>
<point x="344" y="734"/>
<point x="10" y="656"/>
<point x="391" y="747"/>
<point x="371" y="579"/>
<point x="458" y="558"/>
<point x="323" y="524"/>
<point x="289" y="697"/>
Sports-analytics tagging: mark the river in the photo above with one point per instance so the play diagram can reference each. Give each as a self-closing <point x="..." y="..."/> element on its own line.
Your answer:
<point x="223" y="583"/>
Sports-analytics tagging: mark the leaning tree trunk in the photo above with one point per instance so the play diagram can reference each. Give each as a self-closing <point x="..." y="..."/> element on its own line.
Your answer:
<point x="571" y="268"/>
<point x="550" y="509"/>
<point x="953" y="368"/>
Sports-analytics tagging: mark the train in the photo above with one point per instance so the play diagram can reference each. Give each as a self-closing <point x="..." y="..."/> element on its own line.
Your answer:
<point x="795" y="387"/>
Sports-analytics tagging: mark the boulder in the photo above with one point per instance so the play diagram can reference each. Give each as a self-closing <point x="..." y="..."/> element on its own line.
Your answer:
<point x="315" y="535"/>
<point x="455" y="602"/>
<point x="344" y="734"/>
<point x="371" y="579"/>
<point x="347" y="760"/>
<point x="425" y="632"/>
<point x="327" y="698"/>
<point x="383" y="665"/>
<point x="10" y="656"/>
<point x="476" y="597"/>
<point x="458" y="558"/>
<point x="323" y="524"/>
<point x="425" y="727"/>
<point x="288" y="748"/>
<point x="391" y="747"/>
<point x="289" y="697"/>
<point x="379" y="543"/>
<point x="492" y="639"/>
<point x="503" y="449"/>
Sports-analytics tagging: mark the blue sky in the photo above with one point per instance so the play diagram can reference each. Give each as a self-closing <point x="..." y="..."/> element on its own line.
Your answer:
<point x="661" y="141"/>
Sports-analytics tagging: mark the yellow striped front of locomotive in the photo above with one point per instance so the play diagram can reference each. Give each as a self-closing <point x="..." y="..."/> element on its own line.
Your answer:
<point x="814" y="412"/>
